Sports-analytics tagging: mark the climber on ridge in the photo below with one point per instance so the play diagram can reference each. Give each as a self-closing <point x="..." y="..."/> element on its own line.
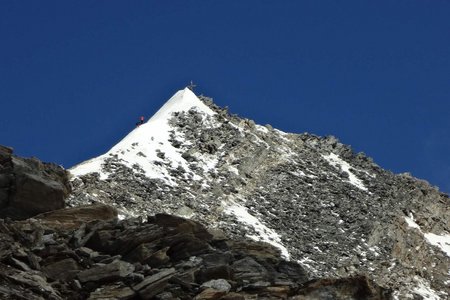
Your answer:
<point x="140" y="122"/>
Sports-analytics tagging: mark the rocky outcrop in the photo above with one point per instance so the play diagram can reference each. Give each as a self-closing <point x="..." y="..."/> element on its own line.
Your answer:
<point x="29" y="186"/>
<point x="162" y="257"/>
<point x="74" y="217"/>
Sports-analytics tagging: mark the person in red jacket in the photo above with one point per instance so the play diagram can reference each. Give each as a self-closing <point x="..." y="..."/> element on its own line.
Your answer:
<point x="140" y="122"/>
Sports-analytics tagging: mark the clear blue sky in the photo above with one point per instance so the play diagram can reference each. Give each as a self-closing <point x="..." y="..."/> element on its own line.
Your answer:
<point x="75" y="75"/>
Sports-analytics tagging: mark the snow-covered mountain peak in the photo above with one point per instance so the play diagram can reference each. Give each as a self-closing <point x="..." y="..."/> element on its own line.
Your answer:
<point x="334" y="211"/>
<point x="140" y="148"/>
<point x="183" y="100"/>
<point x="157" y="125"/>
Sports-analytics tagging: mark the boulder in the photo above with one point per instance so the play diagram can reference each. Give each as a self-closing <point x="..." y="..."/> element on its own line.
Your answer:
<point x="116" y="292"/>
<point x="218" y="284"/>
<point x="64" y="270"/>
<point x="5" y="180"/>
<point x="74" y="217"/>
<point x="214" y="272"/>
<point x="184" y="246"/>
<point x="182" y="225"/>
<point x="155" y="284"/>
<point x="29" y="187"/>
<point x="248" y="269"/>
<point x="4" y="197"/>
<point x="35" y="194"/>
<point x="143" y="252"/>
<point x="113" y="271"/>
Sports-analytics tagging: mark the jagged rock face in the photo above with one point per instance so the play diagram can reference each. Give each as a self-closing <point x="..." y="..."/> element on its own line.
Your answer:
<point x="164" y="257"/>
<point x="334" y="211"/>
<point x="29" y="186"/>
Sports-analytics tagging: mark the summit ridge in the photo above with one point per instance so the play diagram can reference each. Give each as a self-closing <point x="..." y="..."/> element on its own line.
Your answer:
<point x="134" y="149"/>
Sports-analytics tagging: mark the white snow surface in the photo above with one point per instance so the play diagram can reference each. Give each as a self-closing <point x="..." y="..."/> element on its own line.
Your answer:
<point x="442" y="241"/>
<point x="411" y="223"/>
<point x="265" y="234"/>
<point x="140" y="146"/>
<point x="423" y="289"/>
<point x="89" y="166"/>
<point x="339" y="163"/>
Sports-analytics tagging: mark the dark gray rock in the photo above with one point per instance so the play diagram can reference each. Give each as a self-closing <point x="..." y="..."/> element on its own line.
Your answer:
<point x="113" y="271"/>
<point x="247" y="269"/>
<point x="218" y="284"/>
<point x="74" y="217"/>
<point x="64" y="270"/>
<point x="214" y="272"/>
<point x="4" y="197"/>
<point x="116" y="292"/>
<point x="5" y="156"/>
<point x="29" y="187"/>
<point x="21" y="265"/>
<point x="36" y="194"/>
<point x="155" y="284"/>
<point x="5" y="180"/>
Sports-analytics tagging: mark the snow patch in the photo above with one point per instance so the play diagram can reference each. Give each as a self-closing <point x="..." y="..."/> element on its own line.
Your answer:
<point x="338" y="163"/>
<point x="442" y="241"/>
<point x="265" y="234"/>
<point x="410" y="221"/>
<point x="307" y="263"/>
<point x="298" y="173"/>
<point x="207" y="162"/>
<point x="233" y="170"/>
<point x="423" y="289"/>
<point x="262" y="128"/>
<point x="90" y="166"/>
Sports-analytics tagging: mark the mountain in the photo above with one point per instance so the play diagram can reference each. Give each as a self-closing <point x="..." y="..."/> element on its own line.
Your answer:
<point x="333" y="211"/>
<point x="49" y="251"/>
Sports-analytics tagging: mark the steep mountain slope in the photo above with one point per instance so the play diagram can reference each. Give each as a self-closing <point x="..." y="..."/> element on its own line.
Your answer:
<point x="85" y="252"/>
<point x="334" y="211"/>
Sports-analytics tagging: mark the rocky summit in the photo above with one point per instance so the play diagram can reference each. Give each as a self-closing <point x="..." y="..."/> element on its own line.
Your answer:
<point x="284" y="215"/>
